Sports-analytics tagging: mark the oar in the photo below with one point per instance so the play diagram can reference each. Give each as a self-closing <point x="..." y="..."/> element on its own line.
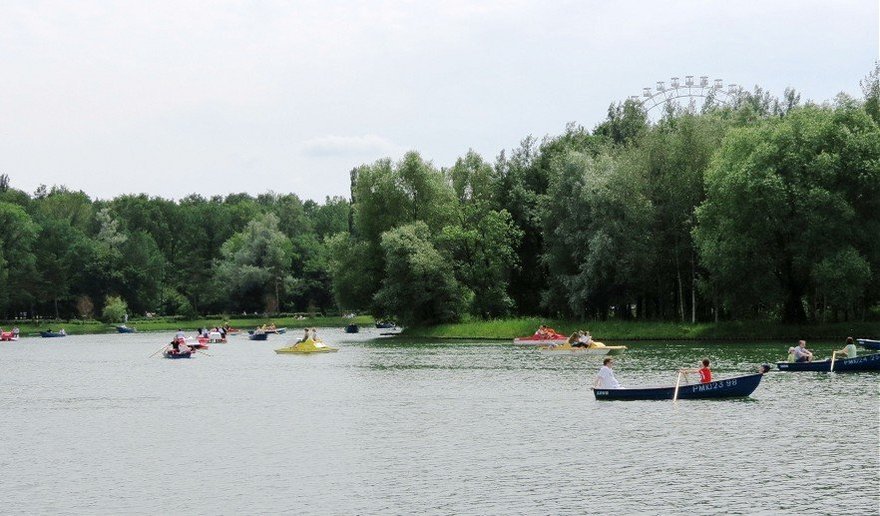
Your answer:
<point x="677" y="383"/>
<point x="202" y="352"/>
<point x="158" y="350"/>
<point x="833" y="356"/>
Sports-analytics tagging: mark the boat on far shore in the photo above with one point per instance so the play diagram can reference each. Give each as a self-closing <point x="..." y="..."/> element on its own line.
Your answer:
<point x="125" y="329"/>
<point x="49" y="334"/>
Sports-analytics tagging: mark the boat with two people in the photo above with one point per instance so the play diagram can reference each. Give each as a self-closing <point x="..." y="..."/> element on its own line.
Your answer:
<point x="543" y="336"/>
<point x="607" y="387"/>
<point x="49" y="334"/>
<point x="309" y="343"/>
<point x="9" y="336"/>
<point x="178" y="349"/>
<point x="582" y="343"/>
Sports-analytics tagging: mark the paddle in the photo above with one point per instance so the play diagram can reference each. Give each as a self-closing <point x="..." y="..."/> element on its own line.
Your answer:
<point x="833" y="356"/>
<point x="158" y="350"/>
<point x="677" y="383"/>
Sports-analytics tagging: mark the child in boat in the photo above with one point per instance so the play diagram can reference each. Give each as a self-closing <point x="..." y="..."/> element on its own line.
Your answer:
<point x="704" y="372"/>
<point x="849" y="351"/>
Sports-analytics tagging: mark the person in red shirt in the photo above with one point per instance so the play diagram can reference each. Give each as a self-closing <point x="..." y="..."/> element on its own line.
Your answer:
<point x="704" y="372"/>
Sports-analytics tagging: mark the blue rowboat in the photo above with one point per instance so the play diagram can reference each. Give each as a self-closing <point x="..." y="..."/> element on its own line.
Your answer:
<point x="385" y="325"/>
<point x="841" y="365"/>
<point x="125" y="329"/>
<point x="51" y="334"/>
<point x="869" y="344"/>
<point x="352" y="328"/>
<point x="738" y="387"/>
<point x="258" y="336"/>
<point x="182" y="354"/>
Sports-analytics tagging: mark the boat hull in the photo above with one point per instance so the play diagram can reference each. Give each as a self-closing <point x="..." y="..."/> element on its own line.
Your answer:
<point x="864" y="363"/>
<point x="738" y="387"/>
<point x="258" y="336"/>
<point x="307" y="347"/>
<point x="51" y="334"/>
<point x="352" y="328"/>
<point x="528" y="341"/>
<point x="120" y="329"/>
<point x="175" y="356"/>
<point x="869" y="344"/>
<point x="597" y="351"/>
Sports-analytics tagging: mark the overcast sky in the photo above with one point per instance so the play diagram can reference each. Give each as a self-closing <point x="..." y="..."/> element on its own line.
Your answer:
<point x="172" y="98"/>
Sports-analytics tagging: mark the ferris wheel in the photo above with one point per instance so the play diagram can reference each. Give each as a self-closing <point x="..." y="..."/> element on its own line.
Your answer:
<point x="695" y="92"/>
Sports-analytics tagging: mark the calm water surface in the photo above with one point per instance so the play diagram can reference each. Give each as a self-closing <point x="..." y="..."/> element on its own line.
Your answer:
<point x="91" y="425"/>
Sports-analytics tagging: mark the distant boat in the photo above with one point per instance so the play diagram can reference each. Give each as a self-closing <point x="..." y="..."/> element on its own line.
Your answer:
<point x="352" y="328"/>
<point x="8" y="336"/>
<point x="306" y="347"/>
<point x="125" y="329"/>
<point x="384" y="325"/>
<point x="842" y="365"/>
<point x="52" y="334"/>
<point x="869" y="344"/>
<point x="258" y="336"/>
<point x="738" y="387"/>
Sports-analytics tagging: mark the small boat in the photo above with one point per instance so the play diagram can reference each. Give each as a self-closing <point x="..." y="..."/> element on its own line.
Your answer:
<point x="352" y="328"/>
<point x="869" y="344"/>
<point x="125" y="329"/>
<point x="258" y="336"/>
<point x="52" y="334"/>
<point x="8" y="336"/>
<point x="543" y="340"/>
<point x="841" y="365"/>
<point x="170" y="353"/>
<point x="307" y="346"/>
<point x="278" y="331"/>
<point x="738" y="387"/>
<point x="599" y="350"/>
<point x="384" y="325"/>
<point x="215" y="337"/>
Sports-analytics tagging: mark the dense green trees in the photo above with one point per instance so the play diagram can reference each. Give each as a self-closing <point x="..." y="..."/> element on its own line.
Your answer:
<point x="763" y="208"/>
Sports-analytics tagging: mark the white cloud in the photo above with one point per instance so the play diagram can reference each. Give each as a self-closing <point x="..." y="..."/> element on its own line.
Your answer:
<point x="348" y="146"/>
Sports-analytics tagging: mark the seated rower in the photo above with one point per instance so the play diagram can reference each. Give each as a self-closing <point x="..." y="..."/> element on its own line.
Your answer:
<point x="305" y="336"/>
<point x="605" y="379"/>
<point x="801" y="353"/>
<point x="849" y="351"/>
<point x="790" y="357"/>
<point x="704" y="372"/>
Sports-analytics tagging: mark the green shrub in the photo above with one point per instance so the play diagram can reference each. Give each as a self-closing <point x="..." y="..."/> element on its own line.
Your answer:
<point x="115" y="309"/>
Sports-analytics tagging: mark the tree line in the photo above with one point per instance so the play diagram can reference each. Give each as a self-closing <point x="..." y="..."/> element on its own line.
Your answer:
<point x="763" y="208"/>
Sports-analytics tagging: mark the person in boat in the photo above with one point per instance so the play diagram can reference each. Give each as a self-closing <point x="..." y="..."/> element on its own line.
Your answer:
<point x="704" y="372"/>
<point x="305" y="336"/>
<point x="605" y="379"/>
<point x="849" y="350"/>
<point x="801" y="353"/>
<point x="581" y="339"/>
<point x="15" y="331"/>
<point x="314" y="334"/>
<point x="541" y="332"/>
<point x="62" y="332"/>
<point x="790" y="357"/>
<point x="179" y="334"/>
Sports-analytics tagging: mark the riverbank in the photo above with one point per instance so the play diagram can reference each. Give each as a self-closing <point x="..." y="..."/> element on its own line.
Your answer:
<point x="75" y="327"/>
<point x="506" y="329"/>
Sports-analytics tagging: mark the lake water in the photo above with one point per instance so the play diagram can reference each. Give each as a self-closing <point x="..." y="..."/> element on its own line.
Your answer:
<point x="90" y="425"/>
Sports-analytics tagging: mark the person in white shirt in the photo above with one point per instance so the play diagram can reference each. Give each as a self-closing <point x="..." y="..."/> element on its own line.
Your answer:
<point x="849" y="350"/>
<point x="605" y="379"/>
<point x="180" y="334"/>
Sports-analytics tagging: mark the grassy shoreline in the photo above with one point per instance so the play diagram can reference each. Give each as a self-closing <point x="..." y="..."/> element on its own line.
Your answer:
<point x="146" y="325"/>
<point x="507" y="329"/>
